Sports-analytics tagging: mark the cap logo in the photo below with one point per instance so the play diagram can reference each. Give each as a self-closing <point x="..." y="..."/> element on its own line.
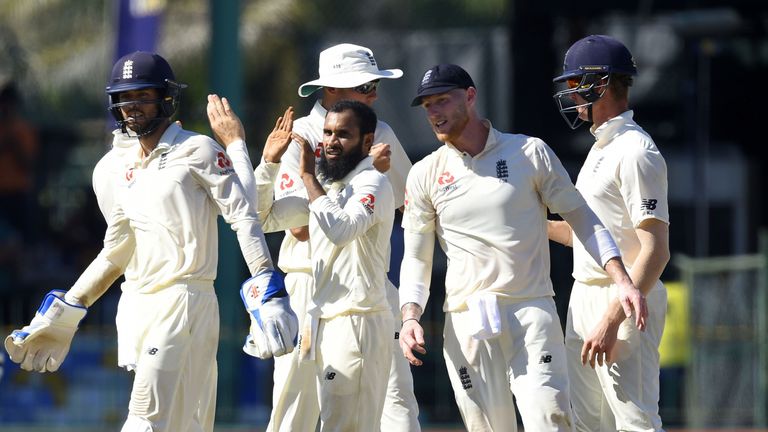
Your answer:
<point x="427" y="77"/>
<point x="370" y="58"/>
<point x="128" y="69"/>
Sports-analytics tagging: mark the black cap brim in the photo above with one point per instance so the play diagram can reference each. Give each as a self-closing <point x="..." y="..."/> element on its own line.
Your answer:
<point x="432" y="91"/>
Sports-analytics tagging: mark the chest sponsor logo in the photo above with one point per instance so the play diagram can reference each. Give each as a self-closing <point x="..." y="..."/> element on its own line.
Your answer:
<point x="368" y="201"/>
<point x="502" y="171"/>
<point x="286" y="182"/>
<point x="223" y="162"/>
<point x="405" y="196"/>
<point x="445" y="181"/>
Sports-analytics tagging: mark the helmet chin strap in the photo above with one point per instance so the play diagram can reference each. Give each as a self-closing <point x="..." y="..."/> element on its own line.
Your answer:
<point x="151" y="127"/>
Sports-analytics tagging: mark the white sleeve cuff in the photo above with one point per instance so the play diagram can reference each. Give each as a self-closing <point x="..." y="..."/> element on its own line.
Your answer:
<point x="414" y="293"/>
<point x="602" y="247"/>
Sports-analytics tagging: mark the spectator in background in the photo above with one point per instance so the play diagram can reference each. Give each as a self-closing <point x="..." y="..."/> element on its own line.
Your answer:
<point x="18" y="153"/>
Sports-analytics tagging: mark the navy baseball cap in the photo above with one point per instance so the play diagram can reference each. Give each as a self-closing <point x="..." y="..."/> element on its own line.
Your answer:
<point x="597" y="54"/>
<point x="440" y="79"/>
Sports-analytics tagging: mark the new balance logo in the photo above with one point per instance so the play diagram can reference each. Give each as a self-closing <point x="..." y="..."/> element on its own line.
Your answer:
<point x="152" y="351"/>
<point x="648" y="204"/>
<point x="545" y="359"/>
<point x="330" y="376"/>
<point x="466" y="381"/>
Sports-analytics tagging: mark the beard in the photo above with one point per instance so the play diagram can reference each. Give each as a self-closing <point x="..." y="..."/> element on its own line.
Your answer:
<point x="334" y="170"/>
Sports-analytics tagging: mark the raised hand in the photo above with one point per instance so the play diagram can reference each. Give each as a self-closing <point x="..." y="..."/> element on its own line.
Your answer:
<point x="280" y="137"/>
<point x="225" y="124"/>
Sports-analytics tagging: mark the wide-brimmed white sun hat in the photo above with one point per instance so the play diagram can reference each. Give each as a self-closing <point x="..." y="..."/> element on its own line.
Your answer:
<point x="347" y="66"/>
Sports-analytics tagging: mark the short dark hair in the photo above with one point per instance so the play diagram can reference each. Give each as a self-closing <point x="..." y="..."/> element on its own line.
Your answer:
<point x="365" y="116"/>
<point x="621" y="84"/>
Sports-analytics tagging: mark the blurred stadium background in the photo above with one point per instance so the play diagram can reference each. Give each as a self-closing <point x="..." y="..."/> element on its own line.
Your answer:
<point x="698" y="94"/>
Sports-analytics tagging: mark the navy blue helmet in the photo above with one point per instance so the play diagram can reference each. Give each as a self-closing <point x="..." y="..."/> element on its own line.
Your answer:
<point x="142" y="70"/>
<point x="587" y="68"/>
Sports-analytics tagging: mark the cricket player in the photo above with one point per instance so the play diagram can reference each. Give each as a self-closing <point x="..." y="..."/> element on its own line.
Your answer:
<point x="346" y="333"/>
<point x="624" y="180"/>
<point x="162" y="235"/>
<point x="346" y="72"/>
<point x="485" y="195"/>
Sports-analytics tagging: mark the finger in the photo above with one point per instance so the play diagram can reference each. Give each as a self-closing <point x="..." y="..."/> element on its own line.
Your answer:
<point x="278" y="124"/>
<point x="226" y="106"/>
<point x="289" y="117"/>
<point x="627" y="305"/>
<point x="584" y="353"/>
<point x="28" y="363"/>
<point x="15" y="352"/>
<point x="600" y="358"/>
<point x="40" y="359"/>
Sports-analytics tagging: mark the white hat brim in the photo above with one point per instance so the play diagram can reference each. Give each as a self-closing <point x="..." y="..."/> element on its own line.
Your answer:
<point x="347" y="80"/>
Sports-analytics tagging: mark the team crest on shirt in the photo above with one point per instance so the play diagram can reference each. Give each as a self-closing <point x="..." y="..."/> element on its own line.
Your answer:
<point x="368" y="201"/>
<point x="502" y="171"/>
<point x="223" y="162"/>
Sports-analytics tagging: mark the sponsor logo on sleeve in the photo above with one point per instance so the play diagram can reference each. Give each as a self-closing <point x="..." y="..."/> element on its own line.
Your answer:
<point x="286" y="182"/>
<point x="224" y="163"/>
<point x="648" y="205"/>
<point x="368" y="202"/>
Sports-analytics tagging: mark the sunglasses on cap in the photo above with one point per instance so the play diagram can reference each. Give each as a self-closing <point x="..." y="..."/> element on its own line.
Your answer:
<point x="367" y="88"/>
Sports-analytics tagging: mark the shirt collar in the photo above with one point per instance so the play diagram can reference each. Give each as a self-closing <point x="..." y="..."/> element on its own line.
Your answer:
<point x="491" y="142"/>
<point x="318" y="111"/>
<point x="605" y="133"/>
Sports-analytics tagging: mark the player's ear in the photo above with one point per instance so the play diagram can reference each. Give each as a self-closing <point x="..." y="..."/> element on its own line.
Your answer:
<point x="367" y="143"/>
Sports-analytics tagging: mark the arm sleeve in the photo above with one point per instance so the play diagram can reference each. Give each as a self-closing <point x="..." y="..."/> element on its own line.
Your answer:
<point x="588" y="228"/>
<point x="241" y="162"/>
<point x="643" y="177"/>
<point x="416" y="268"/>
<point x="552" y="180"/>
<point x="371" y="201"/>
<point x="400" y="163"/>
<point x="291" y="209"/>
<point x="119" y="245"/>
<point x="214" y="171"/>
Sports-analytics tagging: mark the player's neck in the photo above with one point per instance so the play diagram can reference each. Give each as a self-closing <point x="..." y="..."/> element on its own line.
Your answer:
<point x="473" y="138"/>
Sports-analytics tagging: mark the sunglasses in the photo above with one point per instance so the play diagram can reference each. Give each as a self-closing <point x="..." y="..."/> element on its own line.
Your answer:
<point x="367" y="88"/>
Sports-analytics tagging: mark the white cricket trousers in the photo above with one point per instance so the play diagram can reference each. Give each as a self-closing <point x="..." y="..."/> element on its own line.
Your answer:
<point x="353" y="358"/>
<point x="622" y="396"/>
<point x="401" y="410"/>
<point x="175" y="333"/>
<point x="295" y="405"/>
<point x="526" y="364"/>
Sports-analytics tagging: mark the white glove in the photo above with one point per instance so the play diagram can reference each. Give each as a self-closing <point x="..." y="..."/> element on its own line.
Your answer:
<point x="43" y="345"/>
<point x="274" y="325"/>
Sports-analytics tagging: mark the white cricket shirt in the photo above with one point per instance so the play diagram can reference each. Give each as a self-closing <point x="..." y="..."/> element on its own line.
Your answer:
<point x="624" y="181"/>
<point x="349" y="231"/>
<point x="489" y="213"/>
<point x="295" y="255"/>
<point x="165" y="208"/>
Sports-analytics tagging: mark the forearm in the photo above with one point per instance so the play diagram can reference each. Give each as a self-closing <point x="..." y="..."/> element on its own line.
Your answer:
<point x="416" y="268"/>
<point x="560" y="232"/>
<point x="411" y="311"/>
<point x="314" y="189"/>
<point x="94" y="282"/>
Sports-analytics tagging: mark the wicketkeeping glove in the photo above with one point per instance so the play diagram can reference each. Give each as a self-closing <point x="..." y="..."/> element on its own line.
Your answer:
<point x="43" y="345"/>
<point x="274" y="325"/>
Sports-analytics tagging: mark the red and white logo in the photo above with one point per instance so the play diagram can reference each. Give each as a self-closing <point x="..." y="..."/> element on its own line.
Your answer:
<point x="129" y="175"/>
<point x="445" y="179"/>
<point x="406" y="198"/>
<point x="319" y="150"/>
<point x="368" y="201"/>
<point x="222" y="160"/>
<point x="286" y="181"/>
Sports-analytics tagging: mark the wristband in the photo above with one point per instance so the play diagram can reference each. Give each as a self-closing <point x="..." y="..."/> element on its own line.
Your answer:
<point x="409" y="319"/>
